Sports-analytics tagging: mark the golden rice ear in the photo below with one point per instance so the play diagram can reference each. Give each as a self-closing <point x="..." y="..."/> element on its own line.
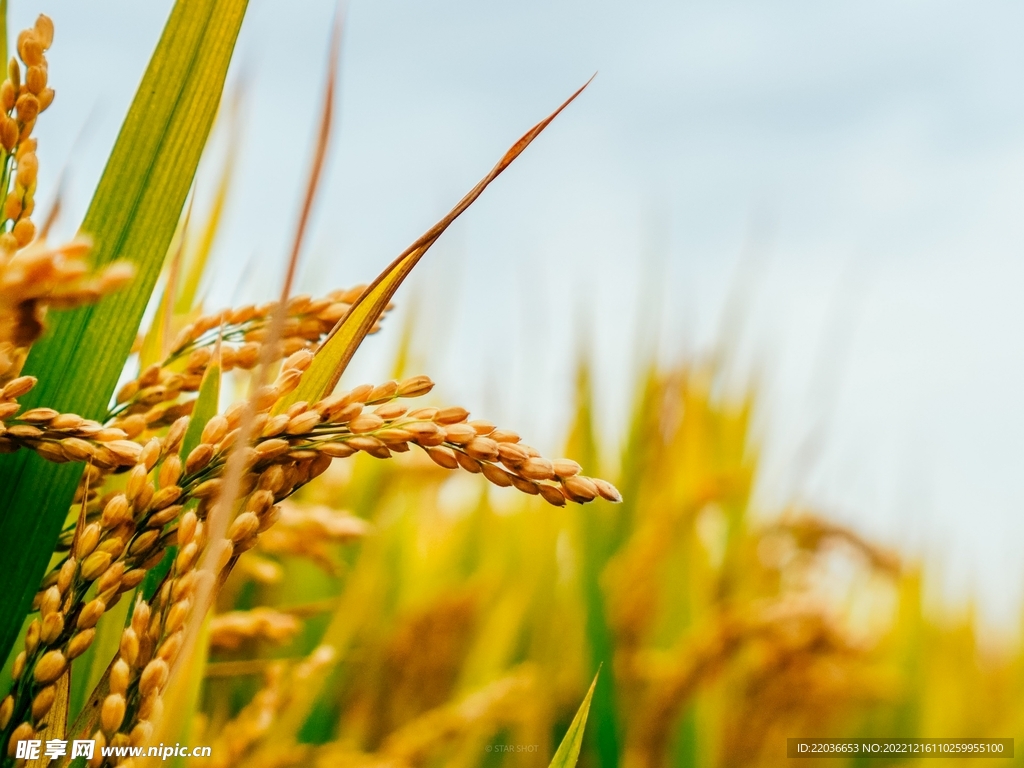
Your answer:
<point x="20" y="104"/>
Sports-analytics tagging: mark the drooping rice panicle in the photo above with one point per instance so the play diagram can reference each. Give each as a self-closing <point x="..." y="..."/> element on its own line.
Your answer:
<point x="33" y="274"/>
<point x="244" y="733"/>
<point x="229" y="630"/>
<point x="309" y="531"/>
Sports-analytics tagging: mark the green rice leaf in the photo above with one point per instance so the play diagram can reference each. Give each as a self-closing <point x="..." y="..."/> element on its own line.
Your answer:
<point x="3" y="30"/>
<point x="132" y="216"/>
<point x="205" y="408"/>
<point x="337" y="350"/>
<point x="569" y="750"/>
<point x="156" y="339"/>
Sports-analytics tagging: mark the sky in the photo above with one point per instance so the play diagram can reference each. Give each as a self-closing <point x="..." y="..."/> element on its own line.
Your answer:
<point x="850" y="173"/>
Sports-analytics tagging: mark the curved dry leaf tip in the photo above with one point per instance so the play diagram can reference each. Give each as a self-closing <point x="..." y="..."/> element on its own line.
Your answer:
<point x="531" y="134"/>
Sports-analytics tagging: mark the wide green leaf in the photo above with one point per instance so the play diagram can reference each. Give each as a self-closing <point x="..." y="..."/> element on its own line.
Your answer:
<point x="569" y="750"/>
<point x="132" y="216"/>
<point x="3" y="30"/>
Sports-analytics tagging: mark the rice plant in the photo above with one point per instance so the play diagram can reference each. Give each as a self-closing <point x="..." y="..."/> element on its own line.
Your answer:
<point x="173" y="574"/>
<point x="160" y="494"/>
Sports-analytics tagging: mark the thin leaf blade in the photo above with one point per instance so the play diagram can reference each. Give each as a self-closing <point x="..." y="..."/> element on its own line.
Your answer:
<point x="338" y="348"/>
<point x="569" y="750"/>
<point x="205" y="408"/>
<point x="195" y="267"/>
<point x="159" y="333"/>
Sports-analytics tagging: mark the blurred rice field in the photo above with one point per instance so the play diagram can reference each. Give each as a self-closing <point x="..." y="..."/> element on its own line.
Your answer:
<point x="467" y="622"/>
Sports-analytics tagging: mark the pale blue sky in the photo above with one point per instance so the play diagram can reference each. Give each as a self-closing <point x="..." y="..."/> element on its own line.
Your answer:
<point x="867" y="158"/>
